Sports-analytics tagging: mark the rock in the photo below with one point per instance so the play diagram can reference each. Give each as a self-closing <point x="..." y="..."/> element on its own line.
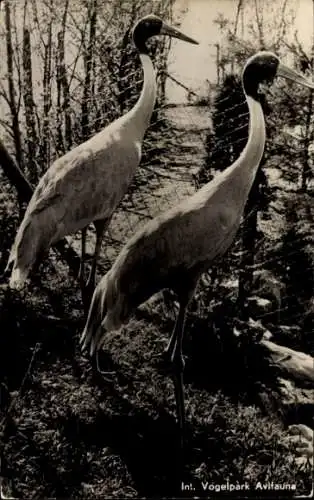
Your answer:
<point x="255" y="328"/>
<point x="293" y="395"/>
<point x="259" y="306"/>
<point x="295" y="384"/>
<point x="302" y="430"/>
<point x="153" y="302"/>
<point x="265" y="285"/>
<point x="297" y="404"/>
<point x="259" y="328"/>
<point x="302" y="438"/>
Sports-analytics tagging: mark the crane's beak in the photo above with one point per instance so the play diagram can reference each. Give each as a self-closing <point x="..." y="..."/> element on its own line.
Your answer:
<point x="290" y="74"/>
<point x="170" y="31"/>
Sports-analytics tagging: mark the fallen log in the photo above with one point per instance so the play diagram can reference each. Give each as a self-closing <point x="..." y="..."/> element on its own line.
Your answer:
<point x="293" y="393"/>
<point x="294" y="365"/>
<point x="295" y="383"/>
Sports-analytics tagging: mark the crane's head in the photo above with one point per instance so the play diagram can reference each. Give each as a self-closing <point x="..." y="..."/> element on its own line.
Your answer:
<point x="262" y="68"/>
<point x="152" y="25"/>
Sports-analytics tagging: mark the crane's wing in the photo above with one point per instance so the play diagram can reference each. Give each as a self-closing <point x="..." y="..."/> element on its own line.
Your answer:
<point x="168" y="249"/>
<point x="165" y="253"/>
<point x="85" y="184"/>
<point x="198" y="229"/>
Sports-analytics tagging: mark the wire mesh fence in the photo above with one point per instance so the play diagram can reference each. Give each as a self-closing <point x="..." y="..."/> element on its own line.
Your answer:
<point x="84" y="74"/>
<point x="165" y="177"/>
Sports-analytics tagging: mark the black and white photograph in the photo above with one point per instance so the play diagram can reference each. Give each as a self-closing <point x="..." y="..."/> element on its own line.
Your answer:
<point x="156" y="249"/>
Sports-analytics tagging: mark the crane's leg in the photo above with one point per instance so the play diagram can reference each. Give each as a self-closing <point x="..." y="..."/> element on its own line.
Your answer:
<point x="184" y="300"/>
<point x="89" y="286"/>
<point x="100" y="226"/>
<point x="173" y="352"/>
<point x="175" y="356"/>
<point x="81" y="274"/>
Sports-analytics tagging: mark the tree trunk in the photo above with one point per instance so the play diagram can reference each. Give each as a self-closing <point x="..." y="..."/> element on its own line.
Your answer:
<point x="12" y="96"/>
<point x="123" y="91"/>
<point x="236" y="23"/>
<point x="45" y="147"/>
<point x="31" y="135"/>
<point x="65" y="84"/>
<point x="306" y="170"/>
<point x="15" y="176"/>
<point x="86" y="102"/>
<point x="60" y="149"/>
<point x="260" y="25"/>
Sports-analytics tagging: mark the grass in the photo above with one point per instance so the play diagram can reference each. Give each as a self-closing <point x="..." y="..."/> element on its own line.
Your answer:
<point x="67" y="433"/>
<point x="71" y="434"/>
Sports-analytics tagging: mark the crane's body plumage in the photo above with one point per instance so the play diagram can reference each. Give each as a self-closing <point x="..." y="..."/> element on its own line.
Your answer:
<point x="183" y="241"/>
<point x="77" y="189"/>
<point x="87" y="183"/>
<point x="174" y="249"/>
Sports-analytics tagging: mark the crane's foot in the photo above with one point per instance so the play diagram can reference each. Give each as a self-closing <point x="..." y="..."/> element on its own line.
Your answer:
<point x="166" y="361"/>
<point x="108" y="375"/>
<point x="177" y="363"/>
<point x="171" y="362"/>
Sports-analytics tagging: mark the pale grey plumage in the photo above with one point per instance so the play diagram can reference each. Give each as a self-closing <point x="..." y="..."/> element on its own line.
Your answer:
<point x="170" y="251"/>
<point x="173" y="250"/>
<point x="77" y="189"/>
<point x="87" y="183"/>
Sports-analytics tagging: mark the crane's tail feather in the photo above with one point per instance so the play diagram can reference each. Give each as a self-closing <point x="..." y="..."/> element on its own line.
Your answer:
<point x="97" y="341"/>
<point x="105" y="314"/>
<point x="107" y="325"/>
<point x="93" y="327"/>
<point x="32" y="238"/>
<point x="18" y="278"/>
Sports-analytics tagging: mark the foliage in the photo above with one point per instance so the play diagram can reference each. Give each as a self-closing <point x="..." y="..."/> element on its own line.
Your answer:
<point x="293" y="263"/>
<point x="71" y="434"/>
<point x="230" y="126"/>
<point x="270" y="26"/>
<point x="67" y="433"/>
<point x="288" y="152"/>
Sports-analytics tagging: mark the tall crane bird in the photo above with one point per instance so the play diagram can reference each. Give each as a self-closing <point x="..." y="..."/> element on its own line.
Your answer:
<point x="174" y="249"/>
<point x="87" y="183"/>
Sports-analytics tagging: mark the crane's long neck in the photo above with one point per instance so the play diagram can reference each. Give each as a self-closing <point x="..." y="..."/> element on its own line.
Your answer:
<point x="248" y="162"/>
<point x="144" y="107"/>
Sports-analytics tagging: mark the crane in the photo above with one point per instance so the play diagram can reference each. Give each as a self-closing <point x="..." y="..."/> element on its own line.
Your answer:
<point x="175" y="248"/>
<point x="87" y="183"/>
